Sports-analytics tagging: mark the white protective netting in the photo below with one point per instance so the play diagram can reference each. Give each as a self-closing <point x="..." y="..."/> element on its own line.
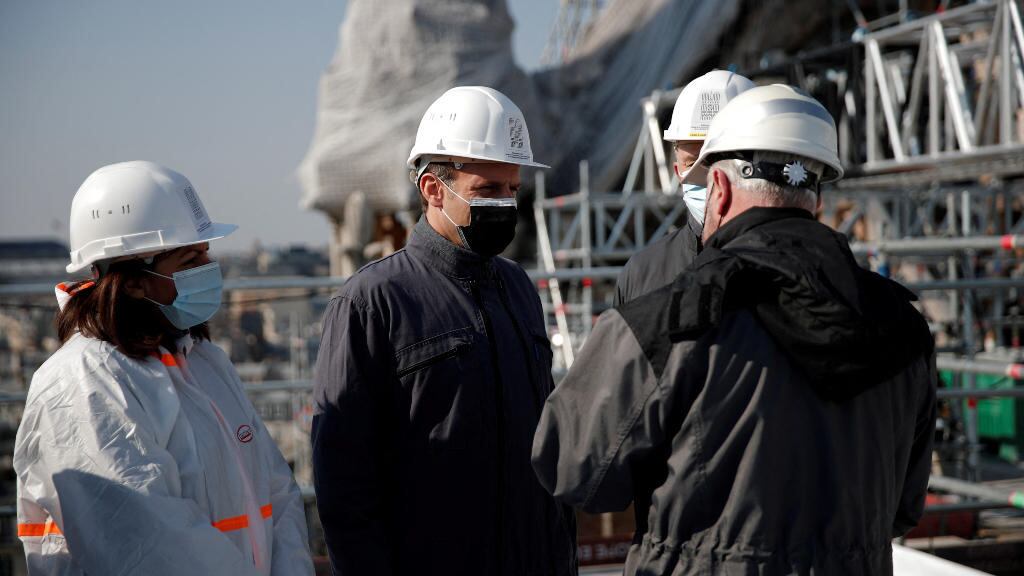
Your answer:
<point x="396" y="56"/>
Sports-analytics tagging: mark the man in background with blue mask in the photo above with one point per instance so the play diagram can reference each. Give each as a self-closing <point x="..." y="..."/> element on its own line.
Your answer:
<point x="433" y="368"/>
<point x="663" y="259"/>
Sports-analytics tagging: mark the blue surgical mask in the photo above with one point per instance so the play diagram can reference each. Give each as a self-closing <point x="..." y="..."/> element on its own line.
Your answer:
<point x="696" y="199"/>
<point x="199" y="295"/>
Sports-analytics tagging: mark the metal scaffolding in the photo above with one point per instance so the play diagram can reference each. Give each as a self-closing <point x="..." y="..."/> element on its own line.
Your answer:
<point x="572" y="20"/>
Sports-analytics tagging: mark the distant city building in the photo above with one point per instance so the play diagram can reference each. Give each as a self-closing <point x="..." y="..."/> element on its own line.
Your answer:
<point x="32" y="260"/>
<point x="293" y="261"/>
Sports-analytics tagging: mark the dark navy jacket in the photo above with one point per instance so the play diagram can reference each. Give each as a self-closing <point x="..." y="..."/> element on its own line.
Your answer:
<point x="659" y="263"/>
<point x="432" y="372"/>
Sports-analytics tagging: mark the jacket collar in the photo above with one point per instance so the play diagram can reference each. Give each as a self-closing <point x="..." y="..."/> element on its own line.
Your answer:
<point x="693" y="238"/>
<point x="428" y="245"/>
<point x="750" y="219"/>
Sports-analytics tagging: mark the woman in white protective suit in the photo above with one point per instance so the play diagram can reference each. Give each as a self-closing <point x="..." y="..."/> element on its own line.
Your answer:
<point x="139" y="452"/>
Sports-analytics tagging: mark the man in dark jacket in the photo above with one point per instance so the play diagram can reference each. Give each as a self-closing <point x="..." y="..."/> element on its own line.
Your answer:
<point x="433" y="368"/>
<point x="662" y="260"/>
<point x="772" y="410"/>
<point x="659" y="263"/>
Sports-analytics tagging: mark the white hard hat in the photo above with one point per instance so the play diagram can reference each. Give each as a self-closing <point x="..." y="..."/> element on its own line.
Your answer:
<point x="776" y="118"/>
<point x="700" y="101"/>
<point x="134" y="208"/>
<point x="473" y="123"/>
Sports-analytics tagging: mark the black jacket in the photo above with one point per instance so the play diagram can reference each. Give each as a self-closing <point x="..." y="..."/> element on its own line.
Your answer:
<point x="659" y="263"/>
<point x="432" y="371"/>
<point x="772" y="410"/>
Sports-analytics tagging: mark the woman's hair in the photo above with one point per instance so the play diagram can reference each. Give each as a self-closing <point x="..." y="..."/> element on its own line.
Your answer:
<point x="103" y="309"/>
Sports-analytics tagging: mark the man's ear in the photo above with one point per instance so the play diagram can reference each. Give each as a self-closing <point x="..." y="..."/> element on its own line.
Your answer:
<point x="431" y="189"/>
<point x="134" y="287"/>
<point x="722" y="193"/>
<point x="679" y="174"/>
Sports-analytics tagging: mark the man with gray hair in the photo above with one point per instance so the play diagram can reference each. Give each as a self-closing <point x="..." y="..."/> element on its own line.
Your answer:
<point x="774" y="406"/>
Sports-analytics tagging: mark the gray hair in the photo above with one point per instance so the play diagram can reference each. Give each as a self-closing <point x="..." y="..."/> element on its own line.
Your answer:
<point x="443" y="170"/>
<point x="770" y="193"/>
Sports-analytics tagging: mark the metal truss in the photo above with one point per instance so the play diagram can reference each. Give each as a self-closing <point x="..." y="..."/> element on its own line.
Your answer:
<point x="607" y="227"/>
<point x="651" y="160"/>
<point x="915" y="72"/>
<point x="938" y="210"/>
<point x="572" y="20"/>
<point x="926" y="101"/>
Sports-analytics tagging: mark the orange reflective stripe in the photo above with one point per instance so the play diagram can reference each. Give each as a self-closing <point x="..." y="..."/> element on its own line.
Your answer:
<point x="37" y="530"/>
<point x="233" y="523"/>
<point x="225" y="525"/>
<point x="239" y="522"/>
<point x="73" y="288"/>
<point x="166" y="359"/>
<point x="31" y="530"/>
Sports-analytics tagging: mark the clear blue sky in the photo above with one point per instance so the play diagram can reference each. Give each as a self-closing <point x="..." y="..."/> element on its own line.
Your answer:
<point x="224" y="91"/>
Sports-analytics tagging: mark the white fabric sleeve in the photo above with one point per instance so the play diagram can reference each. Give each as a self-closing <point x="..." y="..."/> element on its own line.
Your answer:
<point x="94" y="461"/>
<point x="290" y="554"/>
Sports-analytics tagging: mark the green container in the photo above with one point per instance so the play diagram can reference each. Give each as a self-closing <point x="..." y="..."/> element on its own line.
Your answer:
<point x="999" y="419"/>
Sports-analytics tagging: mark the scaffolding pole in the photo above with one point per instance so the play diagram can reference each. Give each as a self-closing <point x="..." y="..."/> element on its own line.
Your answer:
<point x="939" y="246"/>
<point x="544" y="245"/>
<point x="1012" y="370"/>
<point x="982" y="491"/>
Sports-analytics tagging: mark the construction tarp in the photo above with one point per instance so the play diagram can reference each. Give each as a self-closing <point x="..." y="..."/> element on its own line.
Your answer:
<point x="396" y="56"/>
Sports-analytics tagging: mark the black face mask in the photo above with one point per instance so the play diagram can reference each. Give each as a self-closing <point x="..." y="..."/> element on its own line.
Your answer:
<point x="492" y="224"/>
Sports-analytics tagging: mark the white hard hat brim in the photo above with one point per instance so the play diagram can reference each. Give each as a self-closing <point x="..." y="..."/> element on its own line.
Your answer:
<point x="669" y="138"/>
<point x="697" y="174"/>
<point x="216" y="231"/>
<point x="414" y="162"/>
<point x="532" y="164"/>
